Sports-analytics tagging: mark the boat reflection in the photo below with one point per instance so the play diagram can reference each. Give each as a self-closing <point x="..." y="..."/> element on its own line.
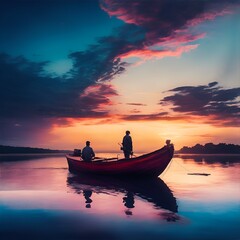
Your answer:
<point x="153" y="191"/>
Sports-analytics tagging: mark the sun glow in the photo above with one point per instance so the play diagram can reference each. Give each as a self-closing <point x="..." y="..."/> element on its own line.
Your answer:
<point x="147" y="136"/>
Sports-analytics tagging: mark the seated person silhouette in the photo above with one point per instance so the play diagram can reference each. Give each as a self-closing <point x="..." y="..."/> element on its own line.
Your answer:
<point x="88" y="153"/>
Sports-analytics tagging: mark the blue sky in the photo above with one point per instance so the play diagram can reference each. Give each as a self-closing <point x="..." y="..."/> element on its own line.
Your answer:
<point x="50" y="30"/>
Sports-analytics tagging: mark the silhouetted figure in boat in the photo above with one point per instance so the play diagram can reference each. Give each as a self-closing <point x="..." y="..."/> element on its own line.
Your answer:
<point x="127" y="145"/>
<point x="87" y="194"/>
<point x="88" y="153"/>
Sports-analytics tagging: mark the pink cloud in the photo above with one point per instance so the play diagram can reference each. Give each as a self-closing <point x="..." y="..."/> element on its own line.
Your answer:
<point x="148" y="53"/>
<point x="209" y="16"/>
<point x="179" y="37"/>
<point x="97" y="96"/>
<point x="167" y="24"/>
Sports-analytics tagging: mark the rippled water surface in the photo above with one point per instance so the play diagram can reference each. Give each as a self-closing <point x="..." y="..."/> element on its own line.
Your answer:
<point x="40" y="199"/>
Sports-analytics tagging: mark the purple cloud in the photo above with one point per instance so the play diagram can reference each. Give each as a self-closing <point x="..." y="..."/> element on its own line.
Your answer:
<point x="166" y="25"/>
<point x="220" y="106"/>
<point x="26" y="92"/>
<point x="136" y="104"/>
<point x="30" y="99"/>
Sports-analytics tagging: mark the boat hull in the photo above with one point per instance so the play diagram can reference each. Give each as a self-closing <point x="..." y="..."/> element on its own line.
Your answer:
<point x="148" y="165"/>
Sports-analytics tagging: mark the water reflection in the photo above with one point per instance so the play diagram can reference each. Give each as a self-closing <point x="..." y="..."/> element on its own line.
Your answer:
<point x="87" y="194"/>
<point x="37" y="203"/>
<point x="128" y="201"/>
<point x="153" y="191"/>
<point x="28" y="156"/>
<point x="224" y="160"/>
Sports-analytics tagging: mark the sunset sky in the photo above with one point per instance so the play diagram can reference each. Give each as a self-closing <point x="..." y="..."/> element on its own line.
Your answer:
<point x="77" y="70"/>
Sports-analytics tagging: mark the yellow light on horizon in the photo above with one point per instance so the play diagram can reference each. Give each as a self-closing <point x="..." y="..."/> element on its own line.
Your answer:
<point x="147" y="135"/>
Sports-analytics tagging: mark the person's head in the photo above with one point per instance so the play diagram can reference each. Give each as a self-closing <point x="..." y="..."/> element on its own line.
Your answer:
<point x="87" y="143"/>
<point x="127" y="132"/>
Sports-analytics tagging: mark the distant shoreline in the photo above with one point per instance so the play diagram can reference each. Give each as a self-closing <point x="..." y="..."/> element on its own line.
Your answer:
<point x="29" y="150"/>
<point x="207" y="149"/>
<point x="34" y="154"/>
<point x="210" y="148"/>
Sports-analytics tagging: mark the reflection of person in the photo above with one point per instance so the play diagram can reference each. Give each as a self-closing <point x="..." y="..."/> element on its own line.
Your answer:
<point x="127" y="145"/>
<point x="87" y="152"/>
<point x="87" y="194"/>
<point x="128" y="201"/>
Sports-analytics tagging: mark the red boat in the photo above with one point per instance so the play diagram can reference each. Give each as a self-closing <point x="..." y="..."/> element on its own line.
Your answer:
<point x="147" y="165"/>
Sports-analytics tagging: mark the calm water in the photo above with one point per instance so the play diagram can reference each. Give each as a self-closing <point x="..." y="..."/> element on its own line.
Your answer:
<point x="40" y="199"/>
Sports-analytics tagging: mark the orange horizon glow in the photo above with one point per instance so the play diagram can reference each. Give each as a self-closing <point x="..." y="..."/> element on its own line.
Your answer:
<point x="147" y="135"/>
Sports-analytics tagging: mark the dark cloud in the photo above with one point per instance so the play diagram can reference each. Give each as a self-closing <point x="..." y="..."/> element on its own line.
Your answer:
<point x="162" y="18"/>
<point x="96" y="96"/>
<point x="135" y="111"/>
<point x="26" y="92"/>
<point x="149" y="23"/>
<point x="220" y="106"/>
<point x="30" y="99"/>
<point x="136" y="104"/>
<point x="148" y="117"/>
<point x="102" y="61"/>
<point x="206" y="103"/>
<point x="159" y="18"/>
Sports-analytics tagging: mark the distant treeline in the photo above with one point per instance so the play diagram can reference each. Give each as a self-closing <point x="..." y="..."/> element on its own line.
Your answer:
<point x="210" y="148"/>
<point x="9" y="149"/>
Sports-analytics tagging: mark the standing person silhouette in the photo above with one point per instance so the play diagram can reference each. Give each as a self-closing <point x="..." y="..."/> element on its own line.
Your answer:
<point x="127" y="145"/>
<point x="88" y="153"/>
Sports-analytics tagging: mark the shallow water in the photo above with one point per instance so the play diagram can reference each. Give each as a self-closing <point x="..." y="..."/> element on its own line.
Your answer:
<point x="40" y="199"/>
